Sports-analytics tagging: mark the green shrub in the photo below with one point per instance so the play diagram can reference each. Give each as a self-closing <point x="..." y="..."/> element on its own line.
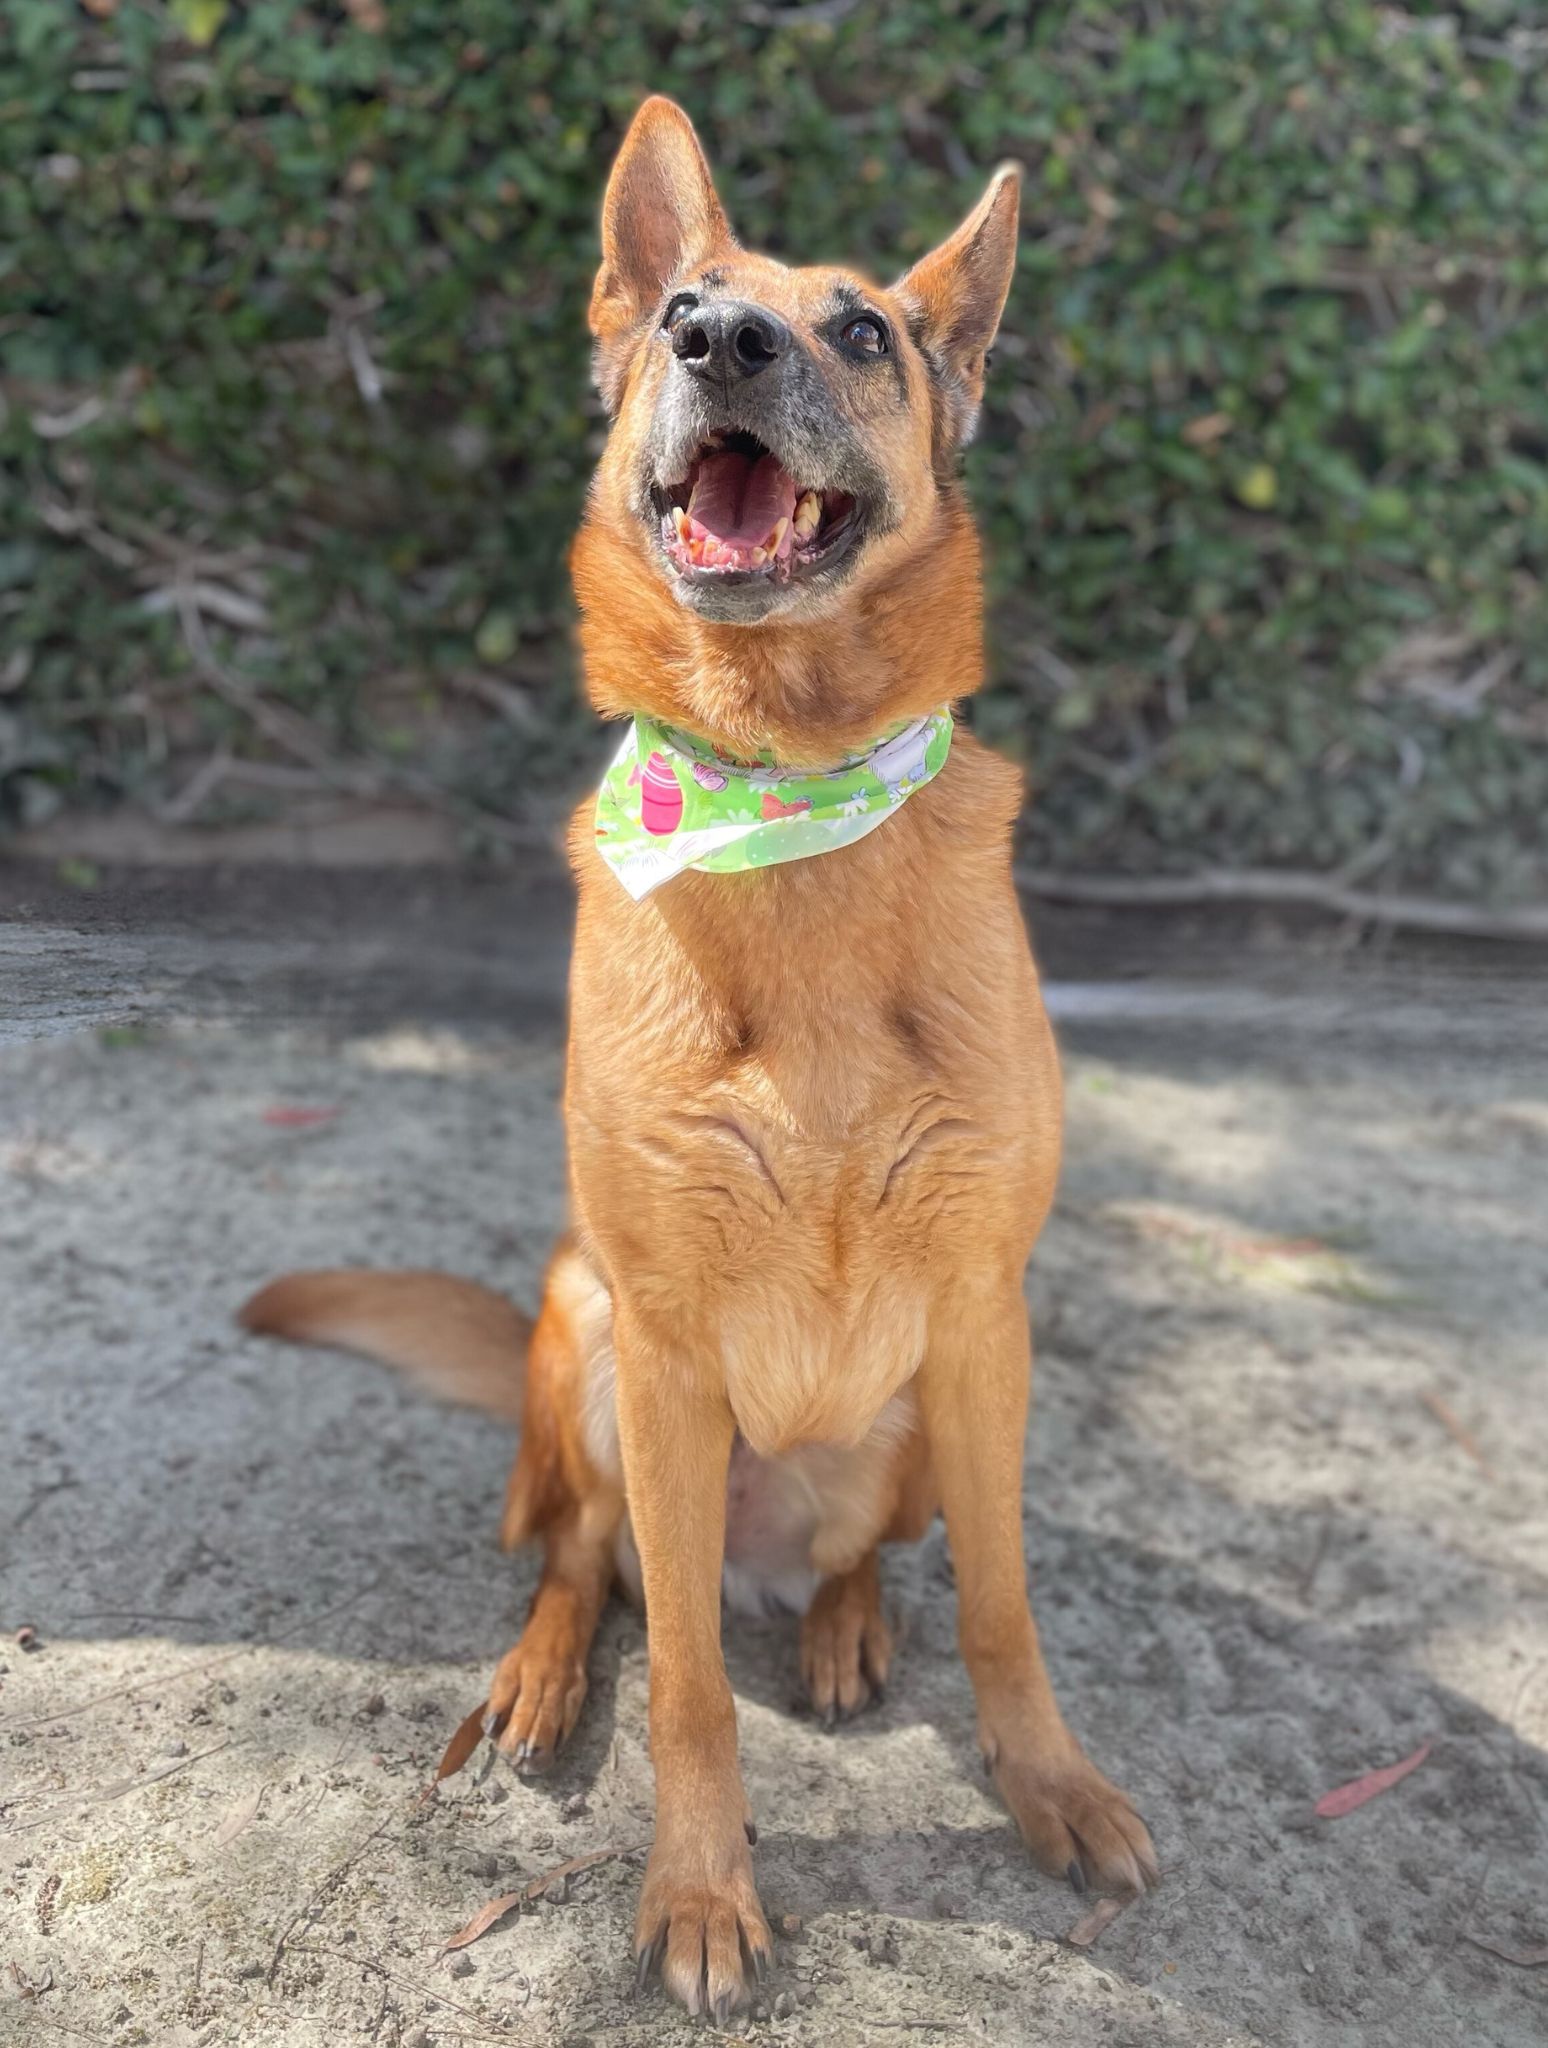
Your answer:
<point x="291" y="308"/>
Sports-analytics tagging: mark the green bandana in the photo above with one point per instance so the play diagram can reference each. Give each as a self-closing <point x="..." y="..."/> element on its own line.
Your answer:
<point x="670" y="801"/>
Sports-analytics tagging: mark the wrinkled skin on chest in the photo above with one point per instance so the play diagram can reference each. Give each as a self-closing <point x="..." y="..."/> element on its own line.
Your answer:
<point x="792" y="1141"/>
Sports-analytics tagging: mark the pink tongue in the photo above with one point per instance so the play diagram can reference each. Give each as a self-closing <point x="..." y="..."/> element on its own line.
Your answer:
<point x="737" y="499"/>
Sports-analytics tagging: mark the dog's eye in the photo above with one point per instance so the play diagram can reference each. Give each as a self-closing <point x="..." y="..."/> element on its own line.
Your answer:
<point x="865" y="337"/>
<point x="678" y="311"/>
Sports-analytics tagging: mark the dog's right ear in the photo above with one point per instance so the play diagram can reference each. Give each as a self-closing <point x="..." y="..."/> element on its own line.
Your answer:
<point x="660" y="216"/>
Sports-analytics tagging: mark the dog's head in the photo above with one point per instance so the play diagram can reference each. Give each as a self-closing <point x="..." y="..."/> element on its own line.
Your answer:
<point x="781" y="437"/>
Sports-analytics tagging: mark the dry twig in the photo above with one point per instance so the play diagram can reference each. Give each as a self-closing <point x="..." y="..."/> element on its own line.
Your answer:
<point x="1273" y="886"/>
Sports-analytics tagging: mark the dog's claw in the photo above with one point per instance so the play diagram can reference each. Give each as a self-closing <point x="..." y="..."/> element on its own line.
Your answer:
<point x="1076" y="1876"/>
<point x="725" y="2005"/>
<point x="492" y="1723"/>
<point x="649" y="1956"/>
<point x="750" y="1829"/>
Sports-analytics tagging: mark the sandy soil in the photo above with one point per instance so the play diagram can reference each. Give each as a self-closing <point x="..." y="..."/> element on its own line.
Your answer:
<point x="1285" y="1508"/>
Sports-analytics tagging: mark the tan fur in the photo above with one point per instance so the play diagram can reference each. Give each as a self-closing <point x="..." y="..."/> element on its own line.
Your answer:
<point x="814" y="1121"/>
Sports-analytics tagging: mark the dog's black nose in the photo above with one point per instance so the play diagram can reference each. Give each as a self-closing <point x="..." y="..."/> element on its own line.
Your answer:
<point x="729" y="340"/>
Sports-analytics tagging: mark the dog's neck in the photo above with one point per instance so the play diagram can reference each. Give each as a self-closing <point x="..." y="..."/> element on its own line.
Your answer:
<point x="813" y="692"/>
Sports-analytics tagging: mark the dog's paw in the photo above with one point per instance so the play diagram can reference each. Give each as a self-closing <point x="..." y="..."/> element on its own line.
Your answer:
<point x="535" y="1700"/>
<point x="846" y="1645"/>
<point x="1076" y="1825"/>
<point x="704" y="1927"/>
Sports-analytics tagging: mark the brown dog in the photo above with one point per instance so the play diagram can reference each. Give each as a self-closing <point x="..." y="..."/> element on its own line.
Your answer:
<point x="813" y="1109"/>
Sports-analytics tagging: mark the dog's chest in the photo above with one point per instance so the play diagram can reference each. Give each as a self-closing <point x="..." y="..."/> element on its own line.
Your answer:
<point x="806" y="1256"/>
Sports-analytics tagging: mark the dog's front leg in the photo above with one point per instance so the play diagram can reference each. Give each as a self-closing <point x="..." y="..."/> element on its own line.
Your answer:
<point x="699" y="1913"/>
<point x="974" y="1388"/>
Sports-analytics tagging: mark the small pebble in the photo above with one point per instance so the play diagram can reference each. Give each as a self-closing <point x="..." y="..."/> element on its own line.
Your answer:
<point x="496" y="1793"/>
<point x="177" y="1749"/>
<point x="784" y="2006"/>
<point x="790" y="1923"/>
<point x="461" y="1964"/>
<point x="574" y="1806"/>
<point x="375" y="1705"/>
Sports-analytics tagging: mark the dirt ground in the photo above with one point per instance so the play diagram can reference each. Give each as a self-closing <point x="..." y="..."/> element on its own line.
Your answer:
<point x="1285" y="1508"/>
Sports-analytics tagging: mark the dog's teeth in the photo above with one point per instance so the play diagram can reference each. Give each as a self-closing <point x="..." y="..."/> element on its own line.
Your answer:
<point x="807" y="514"/>
<point x="775" y="535"/>
<point x="680" y="521"/>
<point x="758" y="557"/>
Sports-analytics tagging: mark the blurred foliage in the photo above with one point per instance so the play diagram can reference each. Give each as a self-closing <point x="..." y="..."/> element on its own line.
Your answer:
<point x="297" y="421"/>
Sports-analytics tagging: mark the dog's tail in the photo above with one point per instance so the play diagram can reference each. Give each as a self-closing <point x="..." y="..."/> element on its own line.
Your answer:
<point x="461" y="1341"/>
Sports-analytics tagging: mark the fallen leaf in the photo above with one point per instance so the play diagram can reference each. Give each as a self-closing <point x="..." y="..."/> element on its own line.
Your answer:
<point x="1523" y="1958"/>
<point x="462" y="1745"/>
<point x="242" y="1815"/>
<point x="286" y="1116"/>
<point x="1102" y="1915"/>
<point x="494" y="1912"/>
<point x="1307" y="1265"/>
<point x="486" y="1917"/>
<point x="1345" y="1798"/>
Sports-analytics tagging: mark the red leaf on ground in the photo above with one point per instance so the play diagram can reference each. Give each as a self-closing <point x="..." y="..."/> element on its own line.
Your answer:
<point x="1345" y="1798"/>
<point x="462" y="1745"/>
<point x="293" y="1116"/>
<point x="486" y="1917"/>
<point x="489" y="1915"/>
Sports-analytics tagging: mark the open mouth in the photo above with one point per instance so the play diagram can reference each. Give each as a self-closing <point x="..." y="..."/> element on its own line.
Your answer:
<point x="739" y="513"/>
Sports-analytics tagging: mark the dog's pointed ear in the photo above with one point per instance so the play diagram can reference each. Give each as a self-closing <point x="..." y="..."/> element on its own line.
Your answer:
<point x="956" y="294"/>
<point x="660" y="216"/>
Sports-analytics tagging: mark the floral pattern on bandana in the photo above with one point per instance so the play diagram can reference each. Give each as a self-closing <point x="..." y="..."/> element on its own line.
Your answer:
<point x="670" y="801"/>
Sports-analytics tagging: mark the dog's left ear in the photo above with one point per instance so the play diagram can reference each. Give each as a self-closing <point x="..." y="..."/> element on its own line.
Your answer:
<point x="659" y="218"/>
<point x="956" y="294"/>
